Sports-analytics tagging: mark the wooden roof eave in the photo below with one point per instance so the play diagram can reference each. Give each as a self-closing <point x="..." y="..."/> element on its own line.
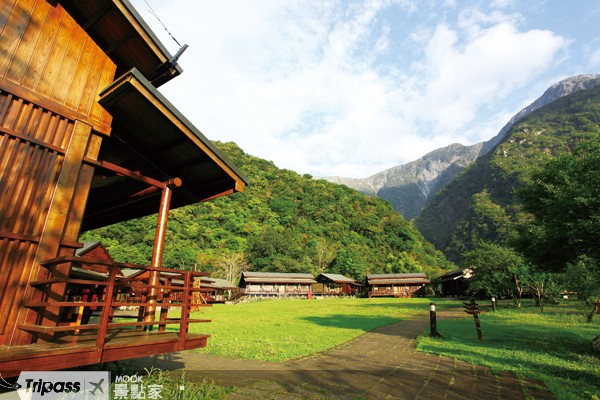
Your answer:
<point x="134" y="80"/>
<point x="155" y="53"/>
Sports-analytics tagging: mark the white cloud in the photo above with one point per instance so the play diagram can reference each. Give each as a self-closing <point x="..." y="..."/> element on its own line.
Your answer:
<point x="313" y="86"/>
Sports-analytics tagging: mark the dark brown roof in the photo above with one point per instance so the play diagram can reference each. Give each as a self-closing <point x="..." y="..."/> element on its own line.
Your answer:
<point x="397" y="279"/>
<point x="277" y="277"/>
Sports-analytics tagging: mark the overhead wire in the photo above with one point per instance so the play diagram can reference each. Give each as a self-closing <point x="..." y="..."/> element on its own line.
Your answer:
<point x="151" y="11"/>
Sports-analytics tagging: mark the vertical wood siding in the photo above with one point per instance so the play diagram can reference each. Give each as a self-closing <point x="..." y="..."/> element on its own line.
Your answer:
<point x="50" y="75"/>
<point x="32" y="146"/>
<point x="45" y="51"/>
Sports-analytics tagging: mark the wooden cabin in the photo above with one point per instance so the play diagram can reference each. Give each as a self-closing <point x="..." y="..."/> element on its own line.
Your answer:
<point x="335" y="285"/>
<point x="87" y="140"/>
<point x="396" y="285"/>
<point x="276" y="284"/>
<point x="218" y="290"/>
<point x="455" y="283"/>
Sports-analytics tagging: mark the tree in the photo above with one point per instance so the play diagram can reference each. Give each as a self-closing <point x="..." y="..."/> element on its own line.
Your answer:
<point x="498" y="271"/>
<point x="325" y="253"/>
<point x="230" y="266"/>
<point x="582" y="277"/>
<point x="564" y="198"/>
<point x="542" y="284"/>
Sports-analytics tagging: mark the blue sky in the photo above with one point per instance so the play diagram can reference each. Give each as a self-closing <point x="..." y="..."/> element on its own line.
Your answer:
<point x="351" y="88"/>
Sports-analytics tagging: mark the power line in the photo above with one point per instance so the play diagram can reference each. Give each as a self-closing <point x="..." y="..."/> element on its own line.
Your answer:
<point x="151" y="11"/>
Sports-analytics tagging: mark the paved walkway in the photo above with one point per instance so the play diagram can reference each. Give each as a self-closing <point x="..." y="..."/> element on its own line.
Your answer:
<point x="381" y="364"/>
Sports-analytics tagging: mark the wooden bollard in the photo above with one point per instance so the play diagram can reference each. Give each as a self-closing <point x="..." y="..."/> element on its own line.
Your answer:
<point x="494" y="305"/>
<point x="472" y="308"/>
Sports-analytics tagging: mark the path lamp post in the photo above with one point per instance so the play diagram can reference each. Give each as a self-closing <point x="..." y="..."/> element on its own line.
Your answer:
<point x="432" y="321"/>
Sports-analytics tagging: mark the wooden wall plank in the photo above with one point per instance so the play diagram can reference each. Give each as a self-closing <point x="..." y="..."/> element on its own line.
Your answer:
<point x="68" y="67"/>
<point x="89" y="94"/>
<point x="24" y="51"/>
<point x="98" y="112"/>
<point x="43" y="48"/>
<point x="13" y="32"/>
<point x="53" y="71"/>
<point x="6" y="8"/>
<point x="81" y="74"/>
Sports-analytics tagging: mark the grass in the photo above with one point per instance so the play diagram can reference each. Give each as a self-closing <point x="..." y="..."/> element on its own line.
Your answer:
<point x="279" y="330"/>
<point x="554" y="347"/>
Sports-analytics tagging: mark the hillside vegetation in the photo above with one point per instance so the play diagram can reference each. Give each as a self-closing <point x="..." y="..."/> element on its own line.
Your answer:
<point x="282" y="222"/>
<point x="475" y="205"/>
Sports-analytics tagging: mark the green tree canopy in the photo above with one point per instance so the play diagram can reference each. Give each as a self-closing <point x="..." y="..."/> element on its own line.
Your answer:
<point x="282" y="222"/>
<point x="564" y="198"/>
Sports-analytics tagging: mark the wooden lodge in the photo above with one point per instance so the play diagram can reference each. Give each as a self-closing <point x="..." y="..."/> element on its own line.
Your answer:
<point x="335" y="285"/>
<point x="87" y="140"/>
<point x="217" y="290"/>
<point x="276" y="284"/>
<point x="396" y="285"/>
<point x="455" y="283"/>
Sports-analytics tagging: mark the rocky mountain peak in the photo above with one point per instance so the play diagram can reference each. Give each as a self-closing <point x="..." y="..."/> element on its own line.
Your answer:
<point x="409" y="187"/>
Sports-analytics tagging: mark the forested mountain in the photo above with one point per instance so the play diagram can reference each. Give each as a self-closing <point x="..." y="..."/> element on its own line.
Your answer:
<point x="476" y="204"/>
<point x="282" y="222"/>
<point x="412" y="186"/>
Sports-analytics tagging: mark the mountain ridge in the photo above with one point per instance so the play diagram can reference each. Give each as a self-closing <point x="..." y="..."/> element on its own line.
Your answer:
<point x="410" y="187"/>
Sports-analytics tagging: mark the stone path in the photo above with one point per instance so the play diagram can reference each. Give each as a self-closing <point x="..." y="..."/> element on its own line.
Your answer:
<point x="381" y="364"/>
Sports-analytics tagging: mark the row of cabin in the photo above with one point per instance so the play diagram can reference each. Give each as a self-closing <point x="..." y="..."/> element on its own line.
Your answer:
<point x="453" y="283"/>
<point x="272" y="284"/>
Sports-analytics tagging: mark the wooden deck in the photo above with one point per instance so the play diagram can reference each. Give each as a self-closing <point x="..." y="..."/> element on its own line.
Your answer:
<point x="111" y="335"/>
<point x="72" y="351"/>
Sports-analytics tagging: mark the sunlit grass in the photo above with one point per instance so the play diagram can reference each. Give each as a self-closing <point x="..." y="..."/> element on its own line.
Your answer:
<point x="278" y="330"/>
<point x="554" y="347"/>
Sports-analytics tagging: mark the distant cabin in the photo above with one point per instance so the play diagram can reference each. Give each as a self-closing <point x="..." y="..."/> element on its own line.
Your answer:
<point x="335" y="285"/>
<point x="217" y="290"/>
<point x="396" y="285"/>
<point x="271" y="284"/>
<point x="455" y="283"/>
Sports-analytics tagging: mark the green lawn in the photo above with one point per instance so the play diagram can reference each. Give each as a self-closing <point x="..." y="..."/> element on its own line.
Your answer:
<point x="554" y="347"/>
<point x="278" y="330"/>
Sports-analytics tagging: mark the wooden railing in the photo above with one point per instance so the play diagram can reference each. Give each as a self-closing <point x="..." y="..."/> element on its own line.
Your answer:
<point x="113" y="292"/>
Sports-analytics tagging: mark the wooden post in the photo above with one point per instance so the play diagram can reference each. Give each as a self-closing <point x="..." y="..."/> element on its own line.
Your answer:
<point x="494" y="304"/>
<point x="185" y="307"/>
<point x="105" y="315"/>
<point x="472" y="308"/>
<point x="159" y="244"/>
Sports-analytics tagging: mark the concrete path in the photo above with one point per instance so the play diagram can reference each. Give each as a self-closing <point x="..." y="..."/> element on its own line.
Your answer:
<point x="381" y="364"/>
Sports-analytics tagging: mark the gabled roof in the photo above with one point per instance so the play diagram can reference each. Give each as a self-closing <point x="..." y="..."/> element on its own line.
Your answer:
<point x="466" y="273"/>
<point x="337" y="278"/>
<point x="277" y="277"/>
<point x="397" y="279"/>
<point x="122" y="34"/>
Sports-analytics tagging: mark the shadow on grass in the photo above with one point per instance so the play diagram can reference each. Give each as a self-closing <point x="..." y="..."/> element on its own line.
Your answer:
<point x="551" y="350"/>
<point x="357" y="322"/>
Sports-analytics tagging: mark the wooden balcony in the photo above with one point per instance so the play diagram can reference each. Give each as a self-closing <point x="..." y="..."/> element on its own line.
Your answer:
<point x="72" y="330"/>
